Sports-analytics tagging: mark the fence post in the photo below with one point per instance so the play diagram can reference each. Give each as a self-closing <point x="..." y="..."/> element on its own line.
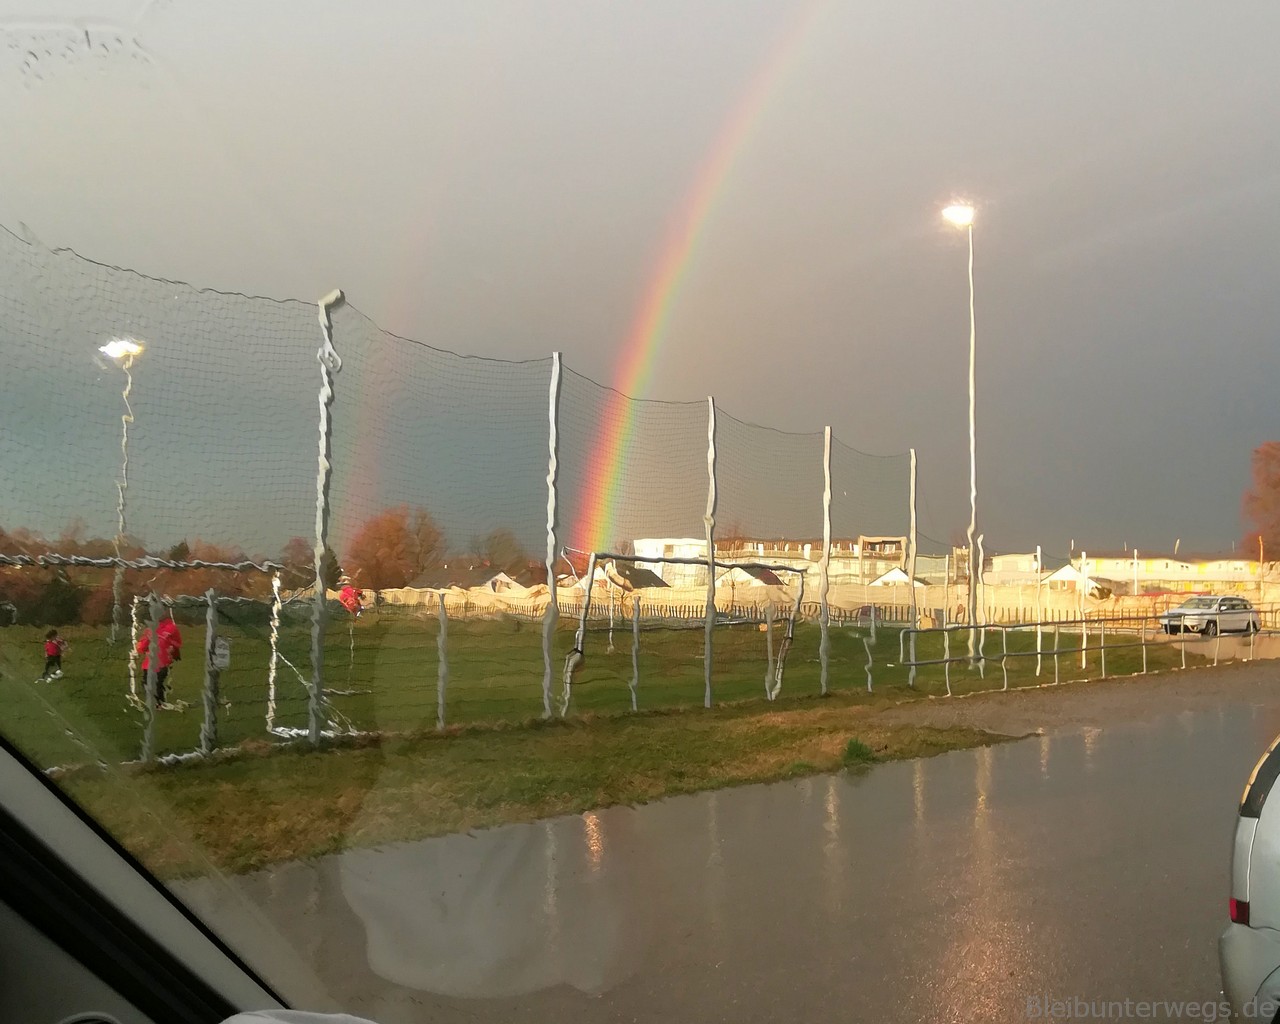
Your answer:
<point x="635" y="649"/>
<point x="330" y="365"/>
<point x="580" y="637"/>
<point x="912" y="615"/>
<point x="1004" y="655"/>
<point x="1056" y="629"/>
<point x="149" y="698"/>
<point x="1039" y="610"/>
<point x="824" y="565"/>
<point x="982" y="611"/>
<point x="275" y="651"/>
<point x="709" y="521"/>
<point x="1102" y="646"/>
<point x="1084" y="620"/>
<point x="442" y="662"/>
<point x="209" y="729"/>
<point x="1144" y="645"/>
<point x="552" y="614"/>
<point x="768" y="646"/>
<point x="946" y="658"/>
<point x="134" y="699"/>
<point x="608" y="586"/>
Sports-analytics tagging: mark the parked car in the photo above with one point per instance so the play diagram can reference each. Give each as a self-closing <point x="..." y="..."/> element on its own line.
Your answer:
<point x="1210" y="616"/>
<point x="1249" y="949"/>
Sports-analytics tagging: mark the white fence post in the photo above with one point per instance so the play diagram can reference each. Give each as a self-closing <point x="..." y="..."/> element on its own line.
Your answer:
<point x="330" y="365"/>
<point x="576" y="655"/>
<point x="553" y="466"/>
<point x="709" y="521"/>
<point x="911" y="576"/>
<point x="1084" y="615"/>
<point x="635" y="649"/>
<point x="982" y="611"/>
<point x="272" y="668"/>
<point x="946" y="658"/>
<point x="442" y="662"/>
<point x="1039" y="610"/>
<point x="768" y="646"/>
<point x="209" y="728"/>
<point x="824" y="566"/>
<point x="134" y="699"/>
<point x="149" y="698"/>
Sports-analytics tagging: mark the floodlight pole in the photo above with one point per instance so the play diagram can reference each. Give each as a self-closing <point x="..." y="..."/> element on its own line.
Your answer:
<point x="975" y="568"/>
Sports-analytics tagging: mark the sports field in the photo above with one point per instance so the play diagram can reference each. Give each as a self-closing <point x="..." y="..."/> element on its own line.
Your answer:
<point x="381" y="674"/>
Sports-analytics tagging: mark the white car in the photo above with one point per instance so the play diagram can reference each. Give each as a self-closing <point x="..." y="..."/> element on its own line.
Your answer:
<point x="1210" y="616"/>
<point x="1249" y="950"/>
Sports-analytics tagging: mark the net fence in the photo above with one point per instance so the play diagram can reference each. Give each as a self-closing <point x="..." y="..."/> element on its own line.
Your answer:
<point x="150" y="418"/>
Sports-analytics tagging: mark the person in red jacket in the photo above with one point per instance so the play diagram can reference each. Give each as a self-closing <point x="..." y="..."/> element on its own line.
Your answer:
<point x="168" y="650"/>
<point x="350" y="599"/>
<point x="54" y="645"/>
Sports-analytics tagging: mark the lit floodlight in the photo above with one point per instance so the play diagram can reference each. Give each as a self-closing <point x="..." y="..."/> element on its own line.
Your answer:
<point x="961" y="215"/>
<point x="122" y="348"/>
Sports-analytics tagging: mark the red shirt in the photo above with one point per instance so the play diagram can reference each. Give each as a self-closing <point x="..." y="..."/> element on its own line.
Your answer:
<point x="168" y="640"/>
<point x="54" y="647"/>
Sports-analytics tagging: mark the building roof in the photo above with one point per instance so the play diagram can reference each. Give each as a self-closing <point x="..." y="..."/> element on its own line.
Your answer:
<point x="765" y="576"/>
<point x="458" y="573"/>
<point x="895" y="575"/>
<point x="635" y="577"/>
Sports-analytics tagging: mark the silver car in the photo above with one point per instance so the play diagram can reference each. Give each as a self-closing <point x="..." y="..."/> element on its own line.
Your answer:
<point x="1210" y="616"/>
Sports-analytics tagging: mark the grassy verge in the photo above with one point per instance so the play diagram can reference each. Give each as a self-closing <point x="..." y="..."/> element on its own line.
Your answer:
<point x="253" y="811"/>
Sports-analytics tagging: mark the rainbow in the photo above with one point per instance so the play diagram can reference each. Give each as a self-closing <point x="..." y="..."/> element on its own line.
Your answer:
<point x="595" y="527"/>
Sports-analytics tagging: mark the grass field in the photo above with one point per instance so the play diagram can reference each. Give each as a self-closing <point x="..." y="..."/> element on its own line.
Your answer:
<point x="382" y="676"/>
<point x="498" y="761"/>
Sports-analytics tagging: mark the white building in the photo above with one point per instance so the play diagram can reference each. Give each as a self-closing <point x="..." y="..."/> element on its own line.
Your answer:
<point x="1155" y="572"/>
<point x="852" y="561"/>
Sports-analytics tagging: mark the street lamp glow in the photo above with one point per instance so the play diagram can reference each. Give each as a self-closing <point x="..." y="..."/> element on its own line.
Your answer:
<point x="121" y="348"/>
<point x="961" y="215"/>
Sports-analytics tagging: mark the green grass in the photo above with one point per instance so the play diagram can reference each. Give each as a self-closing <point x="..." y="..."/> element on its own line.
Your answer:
<point x="858" y="753"/>
<point x="263" y="808"/>
<point x="382" y="677"/>
<point x="498" y="761"/>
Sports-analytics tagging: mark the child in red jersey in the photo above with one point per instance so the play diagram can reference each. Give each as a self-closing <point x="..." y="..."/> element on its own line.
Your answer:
<point x="54" y="646"/>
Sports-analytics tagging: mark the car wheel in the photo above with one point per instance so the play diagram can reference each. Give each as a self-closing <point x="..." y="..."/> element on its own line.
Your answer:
<point x="1211" y="628"/>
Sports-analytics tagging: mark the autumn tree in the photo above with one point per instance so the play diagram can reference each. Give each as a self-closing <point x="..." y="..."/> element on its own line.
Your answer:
<point x="501" y="549"/>
<point x="394" y="547"/>
<point x="1262" y="500"/>
<point x="298" y="565"/>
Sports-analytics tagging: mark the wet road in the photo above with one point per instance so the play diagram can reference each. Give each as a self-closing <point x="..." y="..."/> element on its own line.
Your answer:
<point x="1089" y="864"/>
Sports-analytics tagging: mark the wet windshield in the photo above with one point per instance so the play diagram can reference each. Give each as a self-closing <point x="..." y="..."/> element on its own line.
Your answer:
<point x="501" y="503"/>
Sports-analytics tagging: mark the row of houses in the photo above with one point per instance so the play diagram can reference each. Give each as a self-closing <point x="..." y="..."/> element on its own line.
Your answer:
<point x="869" y="561"/>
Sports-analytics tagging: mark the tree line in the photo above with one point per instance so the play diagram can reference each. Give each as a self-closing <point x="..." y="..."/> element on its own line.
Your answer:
<point x="390" y="549"/>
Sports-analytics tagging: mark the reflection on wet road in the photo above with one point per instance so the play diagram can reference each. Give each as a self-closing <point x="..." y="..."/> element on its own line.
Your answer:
<point x="1090" y="864"/>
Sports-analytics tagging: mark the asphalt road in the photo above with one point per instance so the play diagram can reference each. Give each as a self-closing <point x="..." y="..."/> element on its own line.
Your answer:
<point x="1090" y="864"/>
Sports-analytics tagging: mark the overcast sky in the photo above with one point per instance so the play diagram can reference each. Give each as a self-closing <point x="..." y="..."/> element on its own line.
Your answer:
<point x="498" y="179"/>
